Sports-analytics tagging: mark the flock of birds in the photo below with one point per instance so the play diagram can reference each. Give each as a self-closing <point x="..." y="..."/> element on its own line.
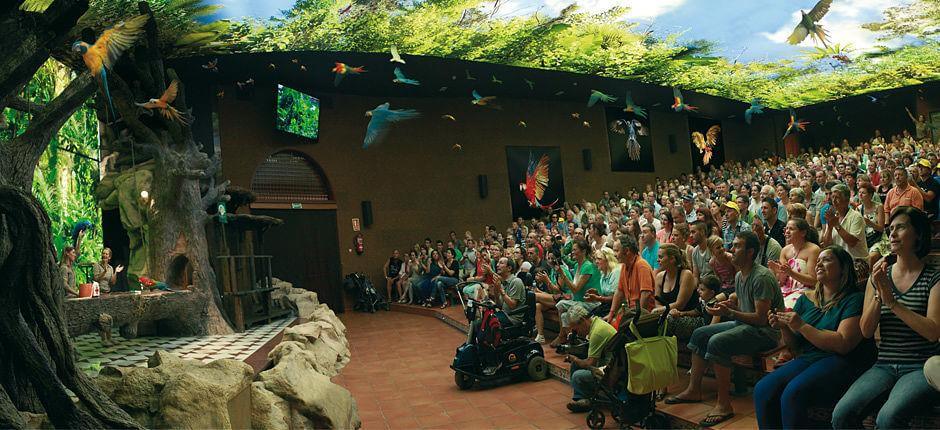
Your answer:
<point x="107" y="49"/>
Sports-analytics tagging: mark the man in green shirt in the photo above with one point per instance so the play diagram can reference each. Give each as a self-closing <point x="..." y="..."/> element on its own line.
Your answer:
<point x="583" y="381"/>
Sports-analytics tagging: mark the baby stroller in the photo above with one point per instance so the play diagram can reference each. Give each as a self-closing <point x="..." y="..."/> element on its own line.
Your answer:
<point x="625" y="407"/>
<point x="367" y="298"/>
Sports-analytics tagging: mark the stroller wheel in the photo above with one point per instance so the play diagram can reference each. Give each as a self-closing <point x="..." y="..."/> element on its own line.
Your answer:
<point x="595" y="419"/>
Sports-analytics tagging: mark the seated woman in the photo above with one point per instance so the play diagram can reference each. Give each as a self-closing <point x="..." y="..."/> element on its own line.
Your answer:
<point x="432" y="269"/>
<point x="823" y="332"/>
<point x="104" y="274"/>
<point x="721" y="265"/>
<point x="447" y="277"/>
<point x="680" y="237"/>
<point x="584" y="276"/>
<point x="598" y="301"/>
<point x="797" y="265"/>
<point x="674" y="283"/>
<point x="902" y="302"/>
<point x="683" y="323"/>
<point x="411" y="275"/>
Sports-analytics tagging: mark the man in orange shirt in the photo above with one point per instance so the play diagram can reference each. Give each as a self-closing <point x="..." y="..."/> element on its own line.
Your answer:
<point x="903" y="194"/>
<point x="636" y="279"/>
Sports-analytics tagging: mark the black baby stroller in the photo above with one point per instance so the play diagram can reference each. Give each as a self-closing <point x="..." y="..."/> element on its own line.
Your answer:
<point x="367" y="299"/>
<point x="625" y="407"/>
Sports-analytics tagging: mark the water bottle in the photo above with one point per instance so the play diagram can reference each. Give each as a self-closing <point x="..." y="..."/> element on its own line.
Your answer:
<point x="95" y="289"/>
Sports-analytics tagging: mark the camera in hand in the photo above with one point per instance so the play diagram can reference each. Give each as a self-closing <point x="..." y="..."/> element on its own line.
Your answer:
<point x="575" y="346"/>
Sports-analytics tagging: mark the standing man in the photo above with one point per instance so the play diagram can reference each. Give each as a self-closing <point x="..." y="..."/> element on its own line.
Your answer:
<point x="747" y="333"/>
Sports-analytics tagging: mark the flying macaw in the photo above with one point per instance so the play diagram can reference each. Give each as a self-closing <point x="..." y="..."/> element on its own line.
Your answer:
<point x="756" y="108"/>
<point x="483" y="101"/>
<point x="599" y="96"/>
<point x="396" y="58"/>
<point x="163" y="104"/>
<point x="678" y="104"/>
<point x="632" y="107"/>
<point x="400" y="78"/>
<point x="794" y="124"/>
<point x="706" y="142"/>
<point x="381" y="117"/>
<point x="536" y="180"/>
<point x="341" y="70"/>
<point x="808" y="27"/>
<point x="101" y="56"/>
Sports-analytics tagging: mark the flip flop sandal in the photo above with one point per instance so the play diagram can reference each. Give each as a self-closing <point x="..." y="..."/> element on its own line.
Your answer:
<point x="715" y="419"/>
<point x="677" y="401"/>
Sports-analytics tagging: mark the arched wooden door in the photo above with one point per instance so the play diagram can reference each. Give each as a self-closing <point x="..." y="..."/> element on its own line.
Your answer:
<point x="289" y="185"/>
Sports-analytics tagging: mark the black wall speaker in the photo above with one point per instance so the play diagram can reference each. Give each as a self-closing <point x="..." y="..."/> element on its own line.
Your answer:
<point x="484" y="188"/>
<point x="367" y="213"/>
<point x="672" y="144"/>
<point x="586" y="155"/>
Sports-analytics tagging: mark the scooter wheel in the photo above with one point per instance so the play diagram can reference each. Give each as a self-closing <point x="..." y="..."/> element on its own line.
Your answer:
<point x="537" y="368"/>
<point x="464" y="381"/>
<point x="595" y="419"/>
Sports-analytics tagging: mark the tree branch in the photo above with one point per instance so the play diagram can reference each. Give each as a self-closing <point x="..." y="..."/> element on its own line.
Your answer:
<point x="48" y="121"/>
<point x="215" y="194"/>
<point x="21" y="104"/>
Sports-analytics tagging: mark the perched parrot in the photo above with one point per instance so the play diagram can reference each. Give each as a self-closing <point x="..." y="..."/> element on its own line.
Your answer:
<point x="101" y="56"/>
<point x="536" y="180"/>
<point x="808" y="27"/>
<point x="341" y="70"/>
<point x="678" y="104"/>
<point x="400" y="78"/>
<point x="632" y="107"/>
<point x="794" y="124"/>
<point x="599" y="96"/>
<point x="483" y="101"/>
<point x="163" y="104"/>
<point x="80" y="226"/>
<point x="381" y="117"/>
<point x="396" y="58"/>
<point x="706" y="142"/>
<point x="756" y="108"/>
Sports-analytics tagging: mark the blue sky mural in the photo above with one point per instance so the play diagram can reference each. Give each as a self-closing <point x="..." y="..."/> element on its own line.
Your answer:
<point x="746" y="30"/>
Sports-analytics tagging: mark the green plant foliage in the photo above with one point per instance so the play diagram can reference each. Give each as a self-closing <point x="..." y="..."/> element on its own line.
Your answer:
<point x="297" y="112"/>
<point x="63" y="182"/>
<point x="601" y="44"/>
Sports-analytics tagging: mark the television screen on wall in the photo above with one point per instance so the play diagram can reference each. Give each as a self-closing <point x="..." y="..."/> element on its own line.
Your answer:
<point x="297" y="112"/>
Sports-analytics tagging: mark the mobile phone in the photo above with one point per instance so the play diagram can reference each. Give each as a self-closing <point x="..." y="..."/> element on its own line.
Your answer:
<point x="891" y="258"/>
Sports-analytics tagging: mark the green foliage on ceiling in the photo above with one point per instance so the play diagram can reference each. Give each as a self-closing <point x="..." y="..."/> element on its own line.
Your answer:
<point x="601" y="44"/>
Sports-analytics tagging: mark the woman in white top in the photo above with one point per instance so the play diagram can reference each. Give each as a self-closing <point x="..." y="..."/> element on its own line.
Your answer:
<point x="105" y="275"/>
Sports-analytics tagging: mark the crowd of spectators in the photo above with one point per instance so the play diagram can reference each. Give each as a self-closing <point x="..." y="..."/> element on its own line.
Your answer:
<point x="814" y="252"/>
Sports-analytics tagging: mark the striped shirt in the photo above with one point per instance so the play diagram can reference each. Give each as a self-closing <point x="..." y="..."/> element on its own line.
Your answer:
<point x="900" y="344"/>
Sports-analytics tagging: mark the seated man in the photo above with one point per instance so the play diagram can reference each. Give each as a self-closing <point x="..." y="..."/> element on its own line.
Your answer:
<point x="508" y="293"/>
<point x="583" y="381"/>
<point x="749" y="333"/>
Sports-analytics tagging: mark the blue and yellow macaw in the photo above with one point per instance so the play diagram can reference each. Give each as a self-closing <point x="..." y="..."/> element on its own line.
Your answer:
<point x="101" y="56"/>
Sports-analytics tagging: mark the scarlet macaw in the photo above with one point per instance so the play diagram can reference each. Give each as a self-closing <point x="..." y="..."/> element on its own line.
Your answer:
<point x="341" y="70"/>
<point x="795" y="124"/>
<point x="678" y="104"/>
<point x="536" y="180"/>
<point x="108" y="48"/>
<point x="163" y="104"/>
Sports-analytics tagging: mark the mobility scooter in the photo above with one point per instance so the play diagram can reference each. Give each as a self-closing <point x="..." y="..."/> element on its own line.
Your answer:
<point x="509" y="354"/>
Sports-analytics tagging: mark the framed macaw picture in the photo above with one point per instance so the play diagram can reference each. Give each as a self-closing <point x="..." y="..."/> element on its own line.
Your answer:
<point x="628" y="136"/>
<point x="708" y="148"/>
<point x="536" y="183"/>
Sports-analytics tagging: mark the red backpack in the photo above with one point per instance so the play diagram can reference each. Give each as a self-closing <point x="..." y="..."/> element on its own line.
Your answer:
<point x="489" y="332"/>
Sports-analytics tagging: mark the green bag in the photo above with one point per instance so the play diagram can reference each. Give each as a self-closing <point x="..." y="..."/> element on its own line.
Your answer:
<point x="651" y="362"/>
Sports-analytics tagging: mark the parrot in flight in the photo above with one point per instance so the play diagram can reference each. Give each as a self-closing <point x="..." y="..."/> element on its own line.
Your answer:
<point x="536" y="180"/>
<point x="808" y="27"/>
<point x="381" y="117"/>
<point x="794" y="124"/>
<point x="631" y="128"/>
<point x="484" y="101"/>
<point x="341" y="70"/>
<point x="678" y="104"/>
<point x="101" y="56"/>
<point x="400" y="78"/>
<point x="756" y="108"/>
<point x="632" y="107"/>
<point x="163" y="104"/>
<point x="599" y="96"/>
<point x="705" y="142"/>
<point x="396" y="58"/>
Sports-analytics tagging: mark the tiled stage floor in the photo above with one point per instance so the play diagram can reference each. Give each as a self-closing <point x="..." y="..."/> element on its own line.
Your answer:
<point x="134" y="352"/>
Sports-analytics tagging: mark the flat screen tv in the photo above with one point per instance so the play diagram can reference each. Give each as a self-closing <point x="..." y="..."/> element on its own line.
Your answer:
<point x="297" y="112"/>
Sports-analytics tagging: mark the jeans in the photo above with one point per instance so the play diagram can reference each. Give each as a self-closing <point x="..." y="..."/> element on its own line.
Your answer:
<point x="719" y="342"/>
<point x="583" y="382"/>
<point x="782" y="398"/>
<point x="440" y="286"/>
<point x="909" y="393"/>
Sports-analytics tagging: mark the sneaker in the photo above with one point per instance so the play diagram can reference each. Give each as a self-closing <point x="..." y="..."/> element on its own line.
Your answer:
<point x="578" y="406"/>
<point x="540" y="339"/>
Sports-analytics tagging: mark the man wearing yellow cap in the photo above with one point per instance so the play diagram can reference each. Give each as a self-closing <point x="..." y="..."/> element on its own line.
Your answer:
<point x="929" y="188"/>
<point x="732" y="224"/>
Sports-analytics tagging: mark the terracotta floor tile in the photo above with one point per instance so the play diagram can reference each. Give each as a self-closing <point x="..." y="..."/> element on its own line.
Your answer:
<point x="478" y="424"/>
<point x="464" y="415"/>
<point x="403" y="422"/>
<point x="437" y="419"/>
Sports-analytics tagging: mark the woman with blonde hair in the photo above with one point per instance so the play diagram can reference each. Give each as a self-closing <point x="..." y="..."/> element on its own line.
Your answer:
<point x="104" y="274"/>
<point x="796" y="210"/>
<point x="675" y="284"/>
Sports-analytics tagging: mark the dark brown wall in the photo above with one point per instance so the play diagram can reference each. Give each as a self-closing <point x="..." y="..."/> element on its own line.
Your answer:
<point x="417" y="184"/>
